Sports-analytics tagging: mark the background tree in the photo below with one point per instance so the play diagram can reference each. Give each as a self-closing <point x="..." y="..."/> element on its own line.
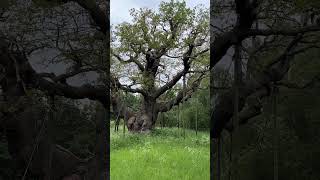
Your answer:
<point x="72" y="36"/>
<point x="276" y="36"/>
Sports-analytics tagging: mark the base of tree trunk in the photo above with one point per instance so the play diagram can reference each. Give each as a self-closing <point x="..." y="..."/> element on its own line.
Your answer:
<point x="140" y="123"/>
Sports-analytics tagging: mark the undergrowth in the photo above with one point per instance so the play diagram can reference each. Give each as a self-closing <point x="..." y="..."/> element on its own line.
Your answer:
<point x="163" y="154"/>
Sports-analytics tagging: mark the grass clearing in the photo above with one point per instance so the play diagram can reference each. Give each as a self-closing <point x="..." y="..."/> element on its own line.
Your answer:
<point x="162" y="155"/>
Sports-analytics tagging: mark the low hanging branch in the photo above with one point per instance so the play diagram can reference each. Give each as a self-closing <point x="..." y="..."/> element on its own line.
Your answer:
<point x="260" y="87"/>
<point x="247" y="11"/>
<point x="116" y="83"/>
<point x="166" y="106"/>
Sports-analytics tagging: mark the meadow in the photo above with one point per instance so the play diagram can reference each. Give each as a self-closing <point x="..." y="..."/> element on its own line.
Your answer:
<point x="163" y="154"/>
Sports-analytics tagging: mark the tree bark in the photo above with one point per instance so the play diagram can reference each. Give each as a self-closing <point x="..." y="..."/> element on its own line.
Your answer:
<point x="144" y="120"/>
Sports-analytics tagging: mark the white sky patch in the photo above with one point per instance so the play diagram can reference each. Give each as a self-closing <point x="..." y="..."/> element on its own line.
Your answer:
<point x="119" y="9"/>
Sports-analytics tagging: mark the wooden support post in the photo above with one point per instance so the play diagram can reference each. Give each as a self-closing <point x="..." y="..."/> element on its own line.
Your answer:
<point x="197" y="118"/>
<point x="184" y="95"/>
<point x="275" y="134"/>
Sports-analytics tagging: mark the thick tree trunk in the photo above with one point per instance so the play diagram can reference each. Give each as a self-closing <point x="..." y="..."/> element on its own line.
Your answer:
<point x="145" y="120"/>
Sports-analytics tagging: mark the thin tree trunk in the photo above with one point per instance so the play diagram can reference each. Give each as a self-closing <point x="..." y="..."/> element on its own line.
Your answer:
<point x="164" y="120"/>
<point x="197" y="118"/>
<point x="230" y="157"/>
<point x="251" y="61"/>
<point x="235" y="119"/>
<point x="124" y="127"/>
<point x="160" y="120"/>
<point x="178" y="117"/>
<point x="219" y="159"/>
<point x="50" y="132"/>
<point x="160" y="114"/>
<point x="117" y="121"/>
<point x="275" y="133"/>
<point x="184" y="95"/>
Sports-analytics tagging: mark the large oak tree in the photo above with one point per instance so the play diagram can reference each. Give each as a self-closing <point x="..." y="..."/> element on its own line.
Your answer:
<point x="153" y="53"/>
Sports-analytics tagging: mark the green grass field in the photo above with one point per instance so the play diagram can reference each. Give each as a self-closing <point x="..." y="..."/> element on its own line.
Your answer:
<point x="162" y="155"/>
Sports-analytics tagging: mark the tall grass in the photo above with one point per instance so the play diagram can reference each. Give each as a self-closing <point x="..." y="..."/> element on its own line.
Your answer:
<point x="162" y="155"/>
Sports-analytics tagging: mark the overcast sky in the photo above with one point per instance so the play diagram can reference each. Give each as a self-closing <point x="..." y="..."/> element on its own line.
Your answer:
<point x="120" y="8"/>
